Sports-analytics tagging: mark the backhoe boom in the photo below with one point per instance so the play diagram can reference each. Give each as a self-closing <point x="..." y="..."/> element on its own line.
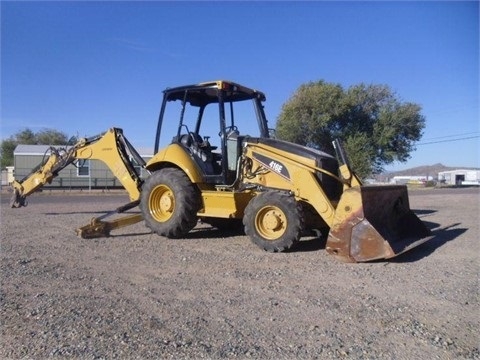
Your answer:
<point x="113" y="149"/>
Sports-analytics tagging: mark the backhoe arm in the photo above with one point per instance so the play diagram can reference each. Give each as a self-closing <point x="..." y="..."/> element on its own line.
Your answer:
<point x="38" y="177"/>
<point x="112" y="148"/>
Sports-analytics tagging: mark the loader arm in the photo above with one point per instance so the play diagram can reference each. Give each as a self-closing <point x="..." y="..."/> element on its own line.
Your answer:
<point x="365" y="222"/>
<point x="113" y="149"/>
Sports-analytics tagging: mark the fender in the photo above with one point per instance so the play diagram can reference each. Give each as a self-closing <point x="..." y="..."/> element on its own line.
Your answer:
<point x="175" y="154"/>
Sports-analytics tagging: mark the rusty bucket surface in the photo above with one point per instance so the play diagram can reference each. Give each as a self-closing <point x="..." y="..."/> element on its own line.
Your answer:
<point x="374" y="222"/>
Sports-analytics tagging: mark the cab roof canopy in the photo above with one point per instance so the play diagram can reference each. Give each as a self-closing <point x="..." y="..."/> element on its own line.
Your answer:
<point x="207" y="92"/>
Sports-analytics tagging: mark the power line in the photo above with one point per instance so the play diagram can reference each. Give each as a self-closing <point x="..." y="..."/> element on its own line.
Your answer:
<point x="455" y="135"/>
<point x="449" y="140"/>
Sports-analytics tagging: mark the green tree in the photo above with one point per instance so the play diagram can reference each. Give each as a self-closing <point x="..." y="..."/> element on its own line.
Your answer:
<point x="375" y="126"/>
<point x="28" y="137"/>
<point x="7" y="148"/>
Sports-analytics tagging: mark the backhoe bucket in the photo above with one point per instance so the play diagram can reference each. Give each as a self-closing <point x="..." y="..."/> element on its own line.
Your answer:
<point x="374" y="222"/>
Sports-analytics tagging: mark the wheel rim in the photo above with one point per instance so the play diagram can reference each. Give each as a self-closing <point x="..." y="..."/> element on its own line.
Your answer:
<point x="161" y="203"/>
<point x="271" y="222"/>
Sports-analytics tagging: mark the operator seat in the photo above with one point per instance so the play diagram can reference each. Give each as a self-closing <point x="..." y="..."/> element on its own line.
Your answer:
<point x="200" y="149"/>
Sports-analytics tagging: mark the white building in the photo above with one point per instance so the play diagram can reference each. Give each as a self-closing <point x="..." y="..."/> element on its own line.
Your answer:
<point x="459" y="177"/>
<point x="410" y="179"/>
<point x="7" y="176"/>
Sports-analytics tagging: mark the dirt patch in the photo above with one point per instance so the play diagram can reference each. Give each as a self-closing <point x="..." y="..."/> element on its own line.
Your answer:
<point x="215" y="295"/>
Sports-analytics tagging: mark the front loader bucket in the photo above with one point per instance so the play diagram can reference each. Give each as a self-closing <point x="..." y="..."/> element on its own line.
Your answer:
<point x="374" y="222"/>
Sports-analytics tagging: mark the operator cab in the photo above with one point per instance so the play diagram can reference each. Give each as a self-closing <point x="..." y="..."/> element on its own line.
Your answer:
<point x="205" y="120"/>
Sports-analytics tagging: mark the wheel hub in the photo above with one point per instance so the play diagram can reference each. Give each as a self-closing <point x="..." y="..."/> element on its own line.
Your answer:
<point x="161" y="203"/>
<point x="272" y="221"/>
<point x="166" y="202"/>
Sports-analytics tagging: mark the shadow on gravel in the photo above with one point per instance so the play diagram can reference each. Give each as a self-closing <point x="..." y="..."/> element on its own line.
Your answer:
<point x="213" y="233"/>
<point x="75" y="213"/>
<point x="197" y="233"/>
<point x="147" y="232"/>
<point x="424" y="212"/>
<point x="440" y="237"/>
<point x="315" y="244"/>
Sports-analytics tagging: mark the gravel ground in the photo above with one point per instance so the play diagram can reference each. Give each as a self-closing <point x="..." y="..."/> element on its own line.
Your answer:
<point x="214" y="295"/>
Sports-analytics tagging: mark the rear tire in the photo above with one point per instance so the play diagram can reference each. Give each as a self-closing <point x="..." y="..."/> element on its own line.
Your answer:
<point x="274" y="221"/>
<point x="169" y="203"/>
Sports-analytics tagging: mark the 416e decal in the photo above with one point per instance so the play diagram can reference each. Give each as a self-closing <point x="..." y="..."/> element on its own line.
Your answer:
<point x="273" y="165"/>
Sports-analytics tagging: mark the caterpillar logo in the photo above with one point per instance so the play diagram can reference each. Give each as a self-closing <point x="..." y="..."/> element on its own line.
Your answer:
<point x="273" y="165"/>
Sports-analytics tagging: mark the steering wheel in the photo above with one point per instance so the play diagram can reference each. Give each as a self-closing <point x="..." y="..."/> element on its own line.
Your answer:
<point x="231" y="128"/>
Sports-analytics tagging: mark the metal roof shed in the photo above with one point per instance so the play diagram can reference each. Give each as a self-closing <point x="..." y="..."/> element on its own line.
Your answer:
<point x="460" y="177"/>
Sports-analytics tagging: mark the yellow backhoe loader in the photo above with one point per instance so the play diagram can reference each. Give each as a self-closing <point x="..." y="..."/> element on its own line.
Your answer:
<point x="278" y="190"/>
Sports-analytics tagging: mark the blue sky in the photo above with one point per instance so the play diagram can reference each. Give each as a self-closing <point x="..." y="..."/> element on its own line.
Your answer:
<point x="83" y="67"/>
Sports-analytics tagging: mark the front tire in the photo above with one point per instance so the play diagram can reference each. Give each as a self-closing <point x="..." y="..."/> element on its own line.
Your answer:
<point x="169" y="203"/>
<point x="274" y="221"/>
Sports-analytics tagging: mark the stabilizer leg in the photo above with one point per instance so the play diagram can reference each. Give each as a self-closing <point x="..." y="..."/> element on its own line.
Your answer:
<point x="99" y="228"/>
